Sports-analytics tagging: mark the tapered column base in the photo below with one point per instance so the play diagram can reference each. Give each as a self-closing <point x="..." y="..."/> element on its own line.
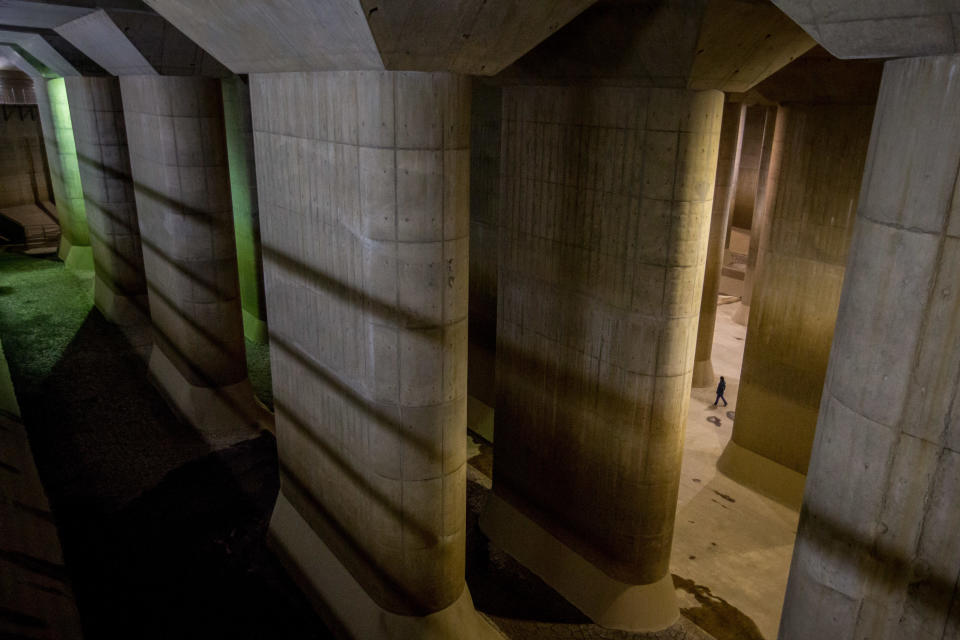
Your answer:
<point x="254" y="329"/>
<point x="605" y="600"/>
<point x="347" y="609"/>
<point x="78" y="257"/>
<point x="118" y="308"/>
<point x="763" y="475"/>
<point x="222" y="415"/>
<point x="130" y="313"/>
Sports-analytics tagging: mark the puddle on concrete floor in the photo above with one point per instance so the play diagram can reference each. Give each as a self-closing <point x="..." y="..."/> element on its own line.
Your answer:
<point x="715" y="615"/>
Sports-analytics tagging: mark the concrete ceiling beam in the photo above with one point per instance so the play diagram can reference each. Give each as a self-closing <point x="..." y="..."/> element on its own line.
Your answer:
<point x="871" y="29"/>
<point x="729" y="45"/>
<point x="96" y="35"/>
<point x="37" y="47"/>
<point x="474" y="36"/>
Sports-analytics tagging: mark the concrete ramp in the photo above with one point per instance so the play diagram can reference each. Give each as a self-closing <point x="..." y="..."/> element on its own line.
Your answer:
<point x="30" y="226"/>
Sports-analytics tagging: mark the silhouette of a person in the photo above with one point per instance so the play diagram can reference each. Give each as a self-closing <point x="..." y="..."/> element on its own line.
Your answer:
<point x="720" y="389"/>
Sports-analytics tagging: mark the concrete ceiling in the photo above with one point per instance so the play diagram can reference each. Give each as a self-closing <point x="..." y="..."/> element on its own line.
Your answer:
<point x="742" y="42"/>
<point x="467" y="36"/>
<point x="13" y="57"/>
<point x="470" y="36"/>
<point x="137" y="43"/>
<point x="101" y="39"/>
<point x="820" y="78"/>
<point x="38" y="52"/>
<point x="879" y="29"/>
<point x="700" y="44"/>
<point x="76" y="58"/>
<point x="121" y="37"/>
<point x="37" y="15"/>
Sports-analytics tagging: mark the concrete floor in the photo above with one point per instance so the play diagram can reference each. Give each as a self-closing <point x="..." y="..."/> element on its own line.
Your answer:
<point x="732" y="544"/>
<point x="162" y="537"/>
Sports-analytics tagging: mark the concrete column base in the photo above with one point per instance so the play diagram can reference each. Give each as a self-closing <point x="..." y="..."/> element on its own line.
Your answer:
<point x="703" y="374"/>
<point x="222" y="415"/>
<point x="742" y="314"/>
<point x="130" y="313"/>
<point x="78" y="257"/>
<point x="346" y="607"/>
<point x="605" y="600"/>
<point x="120" y="309"/>
<point x="763" y="475"/>
<point x="254" y="329"/>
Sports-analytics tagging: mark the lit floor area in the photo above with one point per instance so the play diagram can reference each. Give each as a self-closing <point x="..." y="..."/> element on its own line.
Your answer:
<point x="732" y="545"/>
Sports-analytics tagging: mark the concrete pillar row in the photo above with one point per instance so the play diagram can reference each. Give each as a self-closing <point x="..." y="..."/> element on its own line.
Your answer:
<point x="120" y="290"/>
<point x="767" y="176"/>
<point x="363" y="181"/>
<point x="728" y="166"/>
<point x="807" y="232"/>
<point x="606" y="199"/>
<point x="178" y="159"/>
<point x="877" y="553"/>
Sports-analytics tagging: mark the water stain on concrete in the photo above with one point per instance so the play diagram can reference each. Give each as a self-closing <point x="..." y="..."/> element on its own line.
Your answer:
<point x="715" y="615"/>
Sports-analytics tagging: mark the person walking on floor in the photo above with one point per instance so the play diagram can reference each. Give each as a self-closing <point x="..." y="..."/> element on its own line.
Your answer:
<point x="720" y="389"/>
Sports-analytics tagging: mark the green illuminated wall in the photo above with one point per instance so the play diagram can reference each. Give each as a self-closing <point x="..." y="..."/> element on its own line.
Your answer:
<point x="246" y="220"/>
<point x="67" y="189"/>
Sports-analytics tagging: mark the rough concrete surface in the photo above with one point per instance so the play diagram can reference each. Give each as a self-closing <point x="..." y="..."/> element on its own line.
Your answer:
<point x="801" y="267"/>
<point x="179" y="162"/>
<point x="104" y="164"/>
<point x="368" y="332"/>
<point x="607" y="194"/>
<point x="728" y="171"/>
<point x="877" y="552"/>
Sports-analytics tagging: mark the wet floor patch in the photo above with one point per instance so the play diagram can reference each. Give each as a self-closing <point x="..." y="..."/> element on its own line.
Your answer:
<point x="715" y="615"/>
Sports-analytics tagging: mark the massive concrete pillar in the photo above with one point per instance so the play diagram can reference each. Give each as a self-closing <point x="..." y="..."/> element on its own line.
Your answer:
<point x="178" y="158"/>
<point x="748" y="176"/>
<point x="605" y="212"/>
<point x="246" y="211"/>
<point x="728" y="165"/>
<point x="797" y="292"/>
<point x="75" y="248"/>
<point x="120" y="290"/>
<point x="877" y="551"/>
<point x="768" y="173"/>
<point x="363" y="184"/>
<point x="484" y="209"/>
